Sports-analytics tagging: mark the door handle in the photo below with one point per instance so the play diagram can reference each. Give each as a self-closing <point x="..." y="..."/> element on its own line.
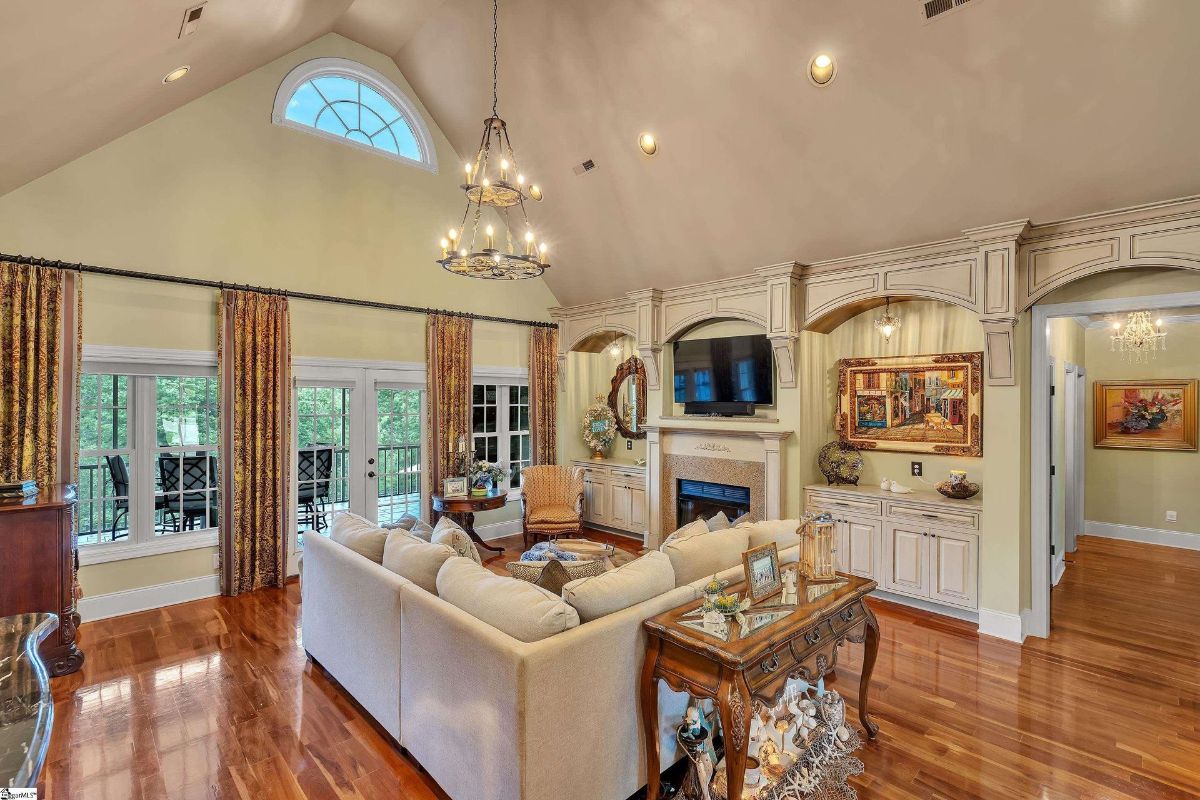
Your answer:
<point x="370" y="461"/>
<point x="371" y="474"/>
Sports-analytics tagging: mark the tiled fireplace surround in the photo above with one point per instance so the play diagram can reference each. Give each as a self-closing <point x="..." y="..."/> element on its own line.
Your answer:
<point x="728" y="455"/>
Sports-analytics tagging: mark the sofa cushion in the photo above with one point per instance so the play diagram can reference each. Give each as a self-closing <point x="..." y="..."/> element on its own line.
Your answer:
<point x="518" y="608"/>
<point x="780" y="531"/>
<point x="360" y="535"/>
<point x="719" y="522"/>
<point x="701" y="556"/>
<point x="417" y="560"/>
<point x="451" y="534"/>
<point x="696" y="527"/>
<point x="618" y="589"/>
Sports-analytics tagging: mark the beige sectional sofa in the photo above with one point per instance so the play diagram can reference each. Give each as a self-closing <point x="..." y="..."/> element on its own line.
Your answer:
<point x="489" y="716"/>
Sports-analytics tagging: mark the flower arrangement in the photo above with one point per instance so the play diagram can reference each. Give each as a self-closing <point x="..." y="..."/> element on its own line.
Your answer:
<point x="1143" y="413"/>
<point x="599" y="427"/>
<point x="484" y="475"/>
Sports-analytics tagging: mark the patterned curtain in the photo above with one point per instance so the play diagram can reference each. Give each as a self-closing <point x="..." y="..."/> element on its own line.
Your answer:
<point x="255" y="374"/>
<point x="41" y="340"/>
<point x="543" y="394"/>
<point x="448" y="394"/>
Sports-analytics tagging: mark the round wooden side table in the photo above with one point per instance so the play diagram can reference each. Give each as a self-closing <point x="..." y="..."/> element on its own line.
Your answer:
<point x="463" y="509"/>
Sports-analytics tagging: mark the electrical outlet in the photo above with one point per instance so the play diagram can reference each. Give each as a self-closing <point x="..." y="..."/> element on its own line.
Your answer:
<point x="1172" y="516"/>
<point x="917" y="469"/>
<point x="629" y="444"/>
<point x="216" y="561"/>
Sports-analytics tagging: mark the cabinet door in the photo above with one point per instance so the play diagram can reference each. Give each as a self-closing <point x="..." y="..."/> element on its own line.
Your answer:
<point x="906" y="560"/>
<point x="595" y="501"/>
<point x="954" y="568"/>
<point x="637" y="509"/>
<point x="861" y="540"/>
<point x="618" y="505"/>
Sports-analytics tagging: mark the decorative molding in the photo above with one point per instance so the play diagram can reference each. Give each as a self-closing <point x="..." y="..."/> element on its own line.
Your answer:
<point x="166" y="543"/>
<point x="148" y="356"/>
<point x="964" y="614"/>
<point x="115" y="604"/>
<point x="715" y="447"/>
<point x="498" y="530"/>
<point x="1058" y="569"/>
<point x="1001" y="625"/>
<point x="999" y="351"/>
<point x="1184" y="540"/>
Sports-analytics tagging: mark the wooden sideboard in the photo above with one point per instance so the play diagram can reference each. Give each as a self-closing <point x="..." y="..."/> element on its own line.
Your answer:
<point x="614" y="495"/>
<point x="920" y="545"/>
<point x="37" y="549"/>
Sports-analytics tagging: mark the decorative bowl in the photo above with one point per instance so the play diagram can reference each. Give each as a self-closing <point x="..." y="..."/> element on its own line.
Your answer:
<point x="962" y="490"/>
<point x="729" y="605"/>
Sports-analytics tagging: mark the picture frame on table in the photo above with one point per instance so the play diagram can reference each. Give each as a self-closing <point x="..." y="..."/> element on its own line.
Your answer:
<point x="761" y="565"/>
<point x="454" y="487"/>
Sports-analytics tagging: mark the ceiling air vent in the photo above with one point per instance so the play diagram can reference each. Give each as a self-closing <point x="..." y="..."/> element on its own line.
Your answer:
<point x="191" y="20"/>
<point x="585" y="167"/>
<point x="931" y="9"/>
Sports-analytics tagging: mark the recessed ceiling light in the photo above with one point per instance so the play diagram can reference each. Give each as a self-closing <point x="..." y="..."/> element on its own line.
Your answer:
<point x="822" y="69"/>
<point x="176" y="74"/>
<point x="648" y="143"/>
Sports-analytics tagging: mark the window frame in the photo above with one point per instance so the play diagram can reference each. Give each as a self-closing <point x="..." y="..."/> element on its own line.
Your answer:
<point x="143" y="365"/>
<point x="345" y="68"/>
<point x="502" y="378"/>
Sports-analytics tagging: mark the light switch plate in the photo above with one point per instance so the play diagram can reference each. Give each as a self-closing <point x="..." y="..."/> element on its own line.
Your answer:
<point x="1172" y="516"/>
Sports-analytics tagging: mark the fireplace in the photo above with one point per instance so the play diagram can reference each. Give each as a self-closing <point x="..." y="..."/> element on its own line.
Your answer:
<point x="701" y="500"/>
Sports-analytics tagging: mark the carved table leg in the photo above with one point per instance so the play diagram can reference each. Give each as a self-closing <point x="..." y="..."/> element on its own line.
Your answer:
<point x="468" y="525"/>
<point x="649" y="704"/>
<point x="870" y="651"/>
<point x="733" y="702"/>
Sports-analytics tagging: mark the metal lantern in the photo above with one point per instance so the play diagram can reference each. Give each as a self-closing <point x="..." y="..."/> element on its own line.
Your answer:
<point x="817" y="549"/>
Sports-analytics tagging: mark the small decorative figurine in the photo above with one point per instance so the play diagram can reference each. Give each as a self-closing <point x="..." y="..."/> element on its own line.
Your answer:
<point x="693" y="723"/>
<point x="693" y="736"/>
<point x="899" y="488"/>
<point x="886" y="484"/>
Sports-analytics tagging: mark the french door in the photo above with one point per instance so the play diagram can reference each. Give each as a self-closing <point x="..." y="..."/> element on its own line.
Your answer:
<point x="358" y="445"/>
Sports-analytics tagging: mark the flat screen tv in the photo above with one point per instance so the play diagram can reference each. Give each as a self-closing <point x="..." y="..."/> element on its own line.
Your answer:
<point x="731" y="369"/>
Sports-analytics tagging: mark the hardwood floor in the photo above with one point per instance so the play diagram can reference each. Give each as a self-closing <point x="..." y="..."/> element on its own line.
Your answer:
<point x="214" y="699"/>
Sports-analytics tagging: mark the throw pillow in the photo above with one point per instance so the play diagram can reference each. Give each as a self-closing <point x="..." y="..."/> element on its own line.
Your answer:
<point x="405" y="522"/>
<point x="520" y="609"/>
<point x="422" y="530"/>
<point x="703" y="556"/>
<point x="360" y="535"/>
<point x="691" y="530"/>
<point x="718" y="523"/>
<point x="448" y="532"/>
<point x="414" y="559"/>
<point x="780" y="531"/>
<point x="743" y="519"/>
<point x="532" y="571"/>
<point x="621" y="588"/>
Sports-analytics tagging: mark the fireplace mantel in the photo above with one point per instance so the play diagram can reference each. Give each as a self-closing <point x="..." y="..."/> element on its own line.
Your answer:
<point x="716" y="442"/>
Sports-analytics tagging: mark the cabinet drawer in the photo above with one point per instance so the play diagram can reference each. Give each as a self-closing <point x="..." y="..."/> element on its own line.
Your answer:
<point x="632" y="478"/>
<point x="932" y="516"/>
<point x="842" y="503"/>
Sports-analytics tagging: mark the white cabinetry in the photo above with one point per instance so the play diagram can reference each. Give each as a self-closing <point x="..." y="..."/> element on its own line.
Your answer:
<point x="614" y="496"/>
<point x="919" y="545"/>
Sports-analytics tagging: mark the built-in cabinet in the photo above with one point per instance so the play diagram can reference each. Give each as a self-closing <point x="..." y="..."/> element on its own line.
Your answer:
<point x="614" y="495"/>
<point x="919" y="545"/>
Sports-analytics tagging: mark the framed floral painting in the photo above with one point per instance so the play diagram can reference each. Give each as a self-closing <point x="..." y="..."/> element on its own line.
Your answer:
<point x="1145" y="415"/>
<point x="912" y="404"/>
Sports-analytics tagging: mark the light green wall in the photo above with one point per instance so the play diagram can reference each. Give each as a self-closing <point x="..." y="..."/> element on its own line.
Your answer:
<point x="588" y="375"/>
<point x="1138" y="487"/>
<point x="215" y="190"/>
<point x="1065" y="345"/>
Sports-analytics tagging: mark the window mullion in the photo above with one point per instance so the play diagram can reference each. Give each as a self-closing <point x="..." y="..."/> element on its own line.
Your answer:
<point x="145" y="437"/>
<point x="502" y="454"/>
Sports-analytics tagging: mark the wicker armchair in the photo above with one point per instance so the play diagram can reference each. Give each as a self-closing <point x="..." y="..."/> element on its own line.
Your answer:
<point x="551" y="502"/>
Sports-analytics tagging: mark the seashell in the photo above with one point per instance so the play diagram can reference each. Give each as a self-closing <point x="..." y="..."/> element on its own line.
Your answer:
<point x="843" y="734"/>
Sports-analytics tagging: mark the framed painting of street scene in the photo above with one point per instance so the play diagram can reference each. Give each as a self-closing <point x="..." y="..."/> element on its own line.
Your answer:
<point x="912" y="404"/>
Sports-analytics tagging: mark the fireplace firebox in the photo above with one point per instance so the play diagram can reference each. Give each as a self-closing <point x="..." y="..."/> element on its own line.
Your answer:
<point x="701" y="500"/>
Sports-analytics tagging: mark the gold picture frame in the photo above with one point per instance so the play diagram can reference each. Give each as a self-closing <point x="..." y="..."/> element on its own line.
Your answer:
<point x="912" y="404"/>
<point x="1149" y="414"/>
<point x="761" y="565"/>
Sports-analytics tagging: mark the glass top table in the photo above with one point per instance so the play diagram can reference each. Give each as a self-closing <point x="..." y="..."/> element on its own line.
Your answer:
<point x="762" y="614"/>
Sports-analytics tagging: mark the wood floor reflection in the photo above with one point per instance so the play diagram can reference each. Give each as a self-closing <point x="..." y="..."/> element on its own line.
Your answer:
<point x="214" y="699"/>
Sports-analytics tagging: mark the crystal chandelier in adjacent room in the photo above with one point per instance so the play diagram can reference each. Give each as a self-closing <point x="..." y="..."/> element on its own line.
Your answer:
<point x="888" y="323"/>
<point x="499" y="243"/>
<point x="1140" y="339"/>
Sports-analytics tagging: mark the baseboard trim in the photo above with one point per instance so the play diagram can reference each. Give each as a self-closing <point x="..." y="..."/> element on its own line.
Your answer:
<point x="1002" y="625"/>
<point x="1058" y="569"/>
<point x="924" y="605"/>
<point x="145" y="598"/>
<point x="1133" y="533"/>
<point x="498" y="530"/>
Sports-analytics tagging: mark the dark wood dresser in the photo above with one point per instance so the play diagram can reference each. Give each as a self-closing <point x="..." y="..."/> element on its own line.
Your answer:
<point x="37" y="569"/>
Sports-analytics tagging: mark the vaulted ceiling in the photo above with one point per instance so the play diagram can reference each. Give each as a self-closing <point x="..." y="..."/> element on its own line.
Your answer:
<point x="1002" y="109"/>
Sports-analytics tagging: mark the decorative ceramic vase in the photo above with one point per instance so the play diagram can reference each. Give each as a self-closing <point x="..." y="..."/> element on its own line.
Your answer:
<point x="840" y="463"/>
<point x="482" y="486"/>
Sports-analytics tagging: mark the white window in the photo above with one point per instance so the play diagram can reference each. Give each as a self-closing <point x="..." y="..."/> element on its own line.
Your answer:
<point x="353" y="104"/>
<point x="148" y="452"/>
<point x="500" y="426"/>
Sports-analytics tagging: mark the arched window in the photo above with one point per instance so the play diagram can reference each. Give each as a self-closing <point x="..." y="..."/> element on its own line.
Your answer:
<point x="353" y="104"/>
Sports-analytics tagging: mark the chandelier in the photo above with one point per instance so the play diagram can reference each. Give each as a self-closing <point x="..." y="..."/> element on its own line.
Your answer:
<point x="888" y="323"/>
<point x="494" y="182"/>
<point x="1140" y="339"/>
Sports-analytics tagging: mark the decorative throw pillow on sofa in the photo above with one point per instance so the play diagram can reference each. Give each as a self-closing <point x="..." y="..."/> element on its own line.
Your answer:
<point x="718" y="523"/>
<point x="360" y="535"/>
<point x="448" y="532"/>
<point x="742" y="520"/>
<point x="621" y="588"/>
<point x="780" y="531"/>
<point x="405" y="522"/>
<point x="694" y="528"/>
<point x="701" y="556"/>
<point x="414" y="559"/>
<point x="518" y="608"/>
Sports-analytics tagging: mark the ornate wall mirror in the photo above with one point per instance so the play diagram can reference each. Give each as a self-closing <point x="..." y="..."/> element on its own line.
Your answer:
<point x="627" y="399"/>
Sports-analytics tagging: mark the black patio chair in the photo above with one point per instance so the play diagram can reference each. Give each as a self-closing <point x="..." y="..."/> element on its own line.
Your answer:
<point x="184" y="481"/>
<point x="120" y="482"/>
<point x="314" y="469"/>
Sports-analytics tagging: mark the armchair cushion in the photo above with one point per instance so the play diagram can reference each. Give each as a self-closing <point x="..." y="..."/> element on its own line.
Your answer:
<point x="553" y="515"/>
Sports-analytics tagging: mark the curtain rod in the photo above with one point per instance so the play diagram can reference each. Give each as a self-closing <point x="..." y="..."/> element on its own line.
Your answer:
<point x="208" y="284"/>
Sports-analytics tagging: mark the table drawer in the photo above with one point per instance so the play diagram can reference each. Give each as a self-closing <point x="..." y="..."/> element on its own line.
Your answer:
<point x="928" y="515"/>
<point x="771" y="666"/>
<point x="847" y="618"/>
<point x="841" y="503"/>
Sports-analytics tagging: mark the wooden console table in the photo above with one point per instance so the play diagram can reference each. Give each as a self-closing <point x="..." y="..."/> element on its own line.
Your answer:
<point x="737" y="671"/>
<point x="463" y="510"/>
